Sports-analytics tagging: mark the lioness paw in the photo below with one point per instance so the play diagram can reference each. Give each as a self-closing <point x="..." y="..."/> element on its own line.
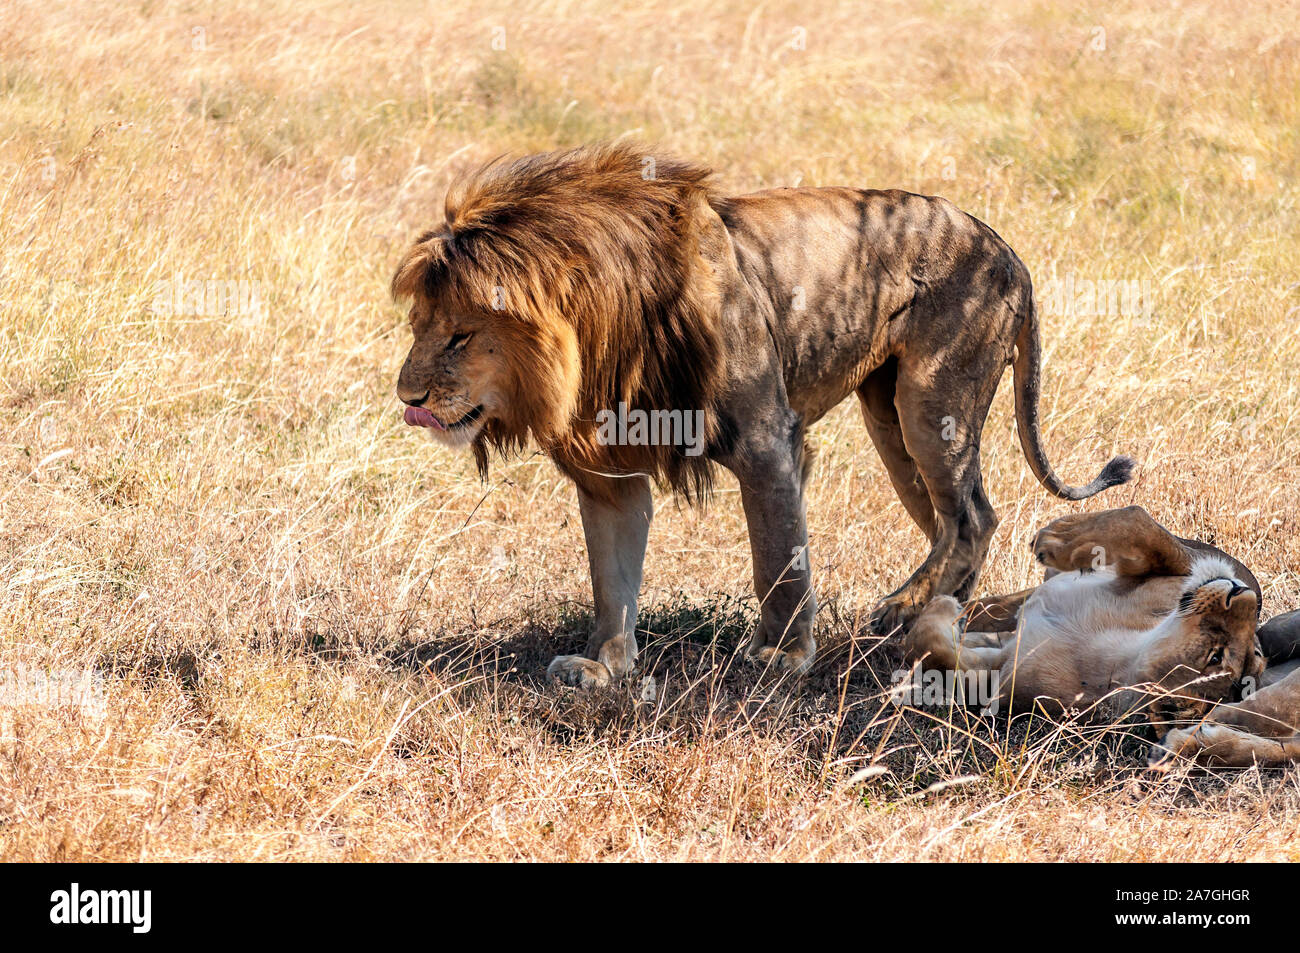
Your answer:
<point x="1164" y="754"/>
<point x="935" y="629"/>
<point x="1126" y="540"/>
<point x="941" y="608"/>
<point x="579" y="671"/>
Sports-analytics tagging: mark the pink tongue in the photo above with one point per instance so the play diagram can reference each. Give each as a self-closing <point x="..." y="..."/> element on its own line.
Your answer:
<point x="419" y="417"/>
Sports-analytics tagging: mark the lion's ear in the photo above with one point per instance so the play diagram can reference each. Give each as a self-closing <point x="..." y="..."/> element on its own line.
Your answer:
<point x="713" y="241"/>
<point x="422" y="267"/>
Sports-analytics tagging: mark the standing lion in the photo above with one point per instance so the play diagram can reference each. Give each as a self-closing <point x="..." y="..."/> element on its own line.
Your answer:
<point x="567" y="287"/>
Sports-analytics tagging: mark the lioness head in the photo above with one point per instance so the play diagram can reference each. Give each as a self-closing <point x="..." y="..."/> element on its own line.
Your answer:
<point x="1206" y="647"/>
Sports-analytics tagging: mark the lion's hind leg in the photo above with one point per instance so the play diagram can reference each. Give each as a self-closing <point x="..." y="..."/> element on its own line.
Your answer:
<point x="880" y="414"/>
<point x="941" y="423"/>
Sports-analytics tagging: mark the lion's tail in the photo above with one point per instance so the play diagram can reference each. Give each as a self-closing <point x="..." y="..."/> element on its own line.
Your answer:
<point x="1028" y="386"/>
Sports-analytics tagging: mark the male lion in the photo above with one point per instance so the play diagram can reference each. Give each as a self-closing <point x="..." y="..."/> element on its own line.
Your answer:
<point x="565" y="287"/>
<point x="1132" y="615"/>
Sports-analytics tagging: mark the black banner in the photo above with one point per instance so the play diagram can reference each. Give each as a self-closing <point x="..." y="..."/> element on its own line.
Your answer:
<point x="137" y="903"/>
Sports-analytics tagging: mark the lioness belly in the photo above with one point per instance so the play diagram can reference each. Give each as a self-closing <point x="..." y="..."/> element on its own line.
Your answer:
<point x="1100" y="600"/>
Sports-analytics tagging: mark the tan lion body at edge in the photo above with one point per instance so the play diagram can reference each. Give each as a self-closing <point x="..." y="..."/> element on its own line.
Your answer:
<point x="565" y="285"/>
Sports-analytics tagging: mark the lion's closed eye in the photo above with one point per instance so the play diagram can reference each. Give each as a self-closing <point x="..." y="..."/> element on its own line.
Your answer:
<point x="458" y="340"/>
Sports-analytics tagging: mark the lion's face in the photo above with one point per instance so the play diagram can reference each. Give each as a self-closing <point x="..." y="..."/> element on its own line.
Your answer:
<point x="469" y="371"/>
<point x="1211" y="650"/>
<point x="451" y="380"/>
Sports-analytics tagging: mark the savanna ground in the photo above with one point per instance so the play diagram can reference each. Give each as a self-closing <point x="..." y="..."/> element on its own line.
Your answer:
<point x="321" y="637"/>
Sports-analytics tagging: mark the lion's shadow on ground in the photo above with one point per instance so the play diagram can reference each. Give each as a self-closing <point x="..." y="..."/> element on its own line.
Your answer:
<point x="679" y="635"/>
<point x="693" y="681"/>
<point x="692" y="674"/>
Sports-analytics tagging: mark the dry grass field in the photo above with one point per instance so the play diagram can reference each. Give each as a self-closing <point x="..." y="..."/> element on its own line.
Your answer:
<point x="317" y="636"/>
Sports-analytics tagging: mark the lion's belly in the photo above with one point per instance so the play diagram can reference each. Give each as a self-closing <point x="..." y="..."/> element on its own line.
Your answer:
<point x="825" y="378"/>
<point x="1099" y="600"/>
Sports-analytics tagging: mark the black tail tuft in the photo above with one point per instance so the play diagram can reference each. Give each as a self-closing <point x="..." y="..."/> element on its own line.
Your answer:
<point x="1119" y="470"/>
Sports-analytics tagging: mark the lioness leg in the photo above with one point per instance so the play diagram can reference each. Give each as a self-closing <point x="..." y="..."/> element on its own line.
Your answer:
<point x="1273" y="711"/>
<point x="997" y="613"/>
<point x="937" y="632"/>
<point x="616" y="538"/>
<point x="970" y="662"/>
<point x="1223" y="746"/>
<point x="1262" y="728"/>
<point x="771" y="491"/>
<point x="1126" y="540"/>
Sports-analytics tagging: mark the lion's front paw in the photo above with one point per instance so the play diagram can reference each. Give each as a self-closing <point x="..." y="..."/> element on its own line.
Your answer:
<point x="894" y="614"/>
<point x="794" y="660"/>
<point x="578" y="670"/>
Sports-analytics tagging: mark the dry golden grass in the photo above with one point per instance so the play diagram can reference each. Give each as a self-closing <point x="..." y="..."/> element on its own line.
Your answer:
<point x="322" y="638"/>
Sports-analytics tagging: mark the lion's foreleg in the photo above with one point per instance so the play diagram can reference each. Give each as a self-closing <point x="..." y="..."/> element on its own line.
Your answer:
<point x="772" y="496"/>
<point x="616" y="541"/>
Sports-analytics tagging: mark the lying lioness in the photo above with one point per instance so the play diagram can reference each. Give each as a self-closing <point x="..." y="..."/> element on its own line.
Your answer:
<point x="1131" y="615"/>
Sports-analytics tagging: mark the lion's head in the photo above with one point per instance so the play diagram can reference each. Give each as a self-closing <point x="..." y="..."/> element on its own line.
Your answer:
<point x="561" y="285"/>
<point x="472" y="372"/>
<point x="1207" y="646"/>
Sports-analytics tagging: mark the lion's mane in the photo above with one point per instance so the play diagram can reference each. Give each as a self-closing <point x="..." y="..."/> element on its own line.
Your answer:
<point x="593" y="256"/>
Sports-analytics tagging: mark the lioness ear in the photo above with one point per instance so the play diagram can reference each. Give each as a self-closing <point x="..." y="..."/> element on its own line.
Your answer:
<point x="422" y="267"/>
